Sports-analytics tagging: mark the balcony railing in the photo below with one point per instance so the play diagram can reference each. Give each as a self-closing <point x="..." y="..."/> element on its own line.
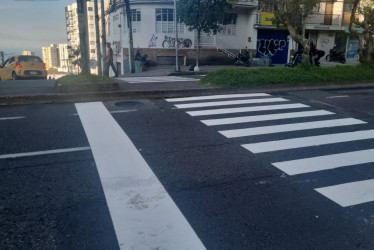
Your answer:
<point x="247" y="3"/>
<point x="324" y="19"/>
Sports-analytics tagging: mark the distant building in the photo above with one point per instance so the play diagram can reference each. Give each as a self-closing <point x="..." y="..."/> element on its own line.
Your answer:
<point x="73" y="33"/>
<point x="28" y="53"/>
<point x="51" y="56"/>
<point x="64" y="57"/>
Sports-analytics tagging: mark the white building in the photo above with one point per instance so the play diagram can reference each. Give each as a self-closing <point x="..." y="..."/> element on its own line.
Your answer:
<point x="64" y="57"/>
<point x="73" y="33"/>
<point x="51" y="56"/>
<point x="154" y="34"/>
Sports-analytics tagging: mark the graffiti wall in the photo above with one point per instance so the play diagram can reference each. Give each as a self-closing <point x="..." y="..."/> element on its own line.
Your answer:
<point x="325" y="42"/>
<point x="169" y="42"/>
<point x="273" y="44"/>
<point x="352" y="48"/>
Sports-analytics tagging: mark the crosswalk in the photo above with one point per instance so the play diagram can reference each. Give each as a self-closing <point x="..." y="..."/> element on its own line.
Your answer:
<point x="237" y="116"/>
<point x="151" y="79"/>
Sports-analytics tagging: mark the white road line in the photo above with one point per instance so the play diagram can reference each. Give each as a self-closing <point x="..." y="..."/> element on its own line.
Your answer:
<point x="350" y="194"/>
<point x="223" y="103"/>
<point x="143" y="214"/>
<point x="245" y="119"/>
<point x="11" y="118"/>
<point x="270" y="146"/>
<point x="156" y="79"/>
<point x="246" y="109"/>
<point x="212" y="97"/>
<point x="289" y="127"/>
<point x="337" y="96"/>
<point x="55" y="151"/>
<point x="325" y="162"/>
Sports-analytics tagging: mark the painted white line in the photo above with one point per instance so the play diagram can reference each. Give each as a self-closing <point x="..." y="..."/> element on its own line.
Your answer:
<point x="212" y="97"/>
<point x="289" y="127"/>
<point x="143" y="214"/>
<point x="11" y="118"/>
<point x="55" y="151"/>
<point x="337" y="96"/>
<point x="245" y="119"/>
<point x="270" y="146"/>
<point x="325" y="162"/>
<point x="246" y="109"/>
<point x="223" y="103"/>
<point x="350" y="194"/>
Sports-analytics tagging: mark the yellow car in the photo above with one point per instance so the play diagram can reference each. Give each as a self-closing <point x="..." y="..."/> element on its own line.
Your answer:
<point x="18" y="67"/>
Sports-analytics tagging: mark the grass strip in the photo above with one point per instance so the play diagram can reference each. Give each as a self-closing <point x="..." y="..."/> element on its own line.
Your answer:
<point x="284" y="75"/>
<point x="83" y="79"/>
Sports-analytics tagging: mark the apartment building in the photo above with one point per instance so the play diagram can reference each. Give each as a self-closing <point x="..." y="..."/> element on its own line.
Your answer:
<point x="51" y="56"/>
<point x="154" y="33"/>
<point x="72" y="31"/>
<point x="327" y="26"/>
<point x="28" y="53"/>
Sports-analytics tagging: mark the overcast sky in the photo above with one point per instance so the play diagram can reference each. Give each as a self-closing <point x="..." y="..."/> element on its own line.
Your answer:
<point x="31" y="24"/>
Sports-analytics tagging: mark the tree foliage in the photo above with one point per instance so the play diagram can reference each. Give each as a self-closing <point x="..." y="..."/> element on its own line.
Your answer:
<point x="293" y="14"/>
<point x="75" y="56"/>
<point x="204" y="16"/>
<point x="362" y="27"/>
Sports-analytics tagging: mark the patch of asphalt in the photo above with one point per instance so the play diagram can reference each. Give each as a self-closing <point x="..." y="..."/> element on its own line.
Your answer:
<point x="53" y="98"/>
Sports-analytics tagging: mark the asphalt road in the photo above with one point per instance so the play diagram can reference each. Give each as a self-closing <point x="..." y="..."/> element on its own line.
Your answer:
<point x="231" y="197"/>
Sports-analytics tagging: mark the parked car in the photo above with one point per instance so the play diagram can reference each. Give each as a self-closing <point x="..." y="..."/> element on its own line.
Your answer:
<point x="18" y="67"/>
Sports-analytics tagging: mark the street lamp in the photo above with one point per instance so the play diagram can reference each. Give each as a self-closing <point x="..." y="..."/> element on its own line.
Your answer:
<point x="176" y="36"/>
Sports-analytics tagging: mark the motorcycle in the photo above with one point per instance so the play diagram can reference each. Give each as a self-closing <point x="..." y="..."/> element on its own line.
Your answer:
<point x="241" y="59"/>
<point x="335" y="55"/>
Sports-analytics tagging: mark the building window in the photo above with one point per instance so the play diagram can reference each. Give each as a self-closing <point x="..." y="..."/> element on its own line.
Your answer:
<point x="92" y="42"/>
<point x="136" y="20"/>
<point x="93" y="50"/>
<point x="90" y="9"/>
<point x="266" y="6"/>
<point x="91" y="18"/>
<point x="164" y="21"/>
<point x="229" y="29"/>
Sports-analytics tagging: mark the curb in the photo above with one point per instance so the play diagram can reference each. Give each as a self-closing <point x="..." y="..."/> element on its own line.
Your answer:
<point x="158" y="94"/>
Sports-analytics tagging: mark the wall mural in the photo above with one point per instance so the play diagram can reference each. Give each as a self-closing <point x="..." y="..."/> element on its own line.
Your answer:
<point x="153" y="41"/>
<point x="270" y="47"/>
<point x="169" y="42"/>
<point x="324" y="42"/>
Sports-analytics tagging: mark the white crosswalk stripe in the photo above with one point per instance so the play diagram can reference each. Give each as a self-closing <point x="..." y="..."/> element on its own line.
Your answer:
<point x="269" y="146"/>
<point x="157" y="79"/>
<point x="257" y="118"/>
<point x="245" y="109"/>
<point x="224" y="103"/>
<point x="356" y="192"/>
<point x="289" y="127"/>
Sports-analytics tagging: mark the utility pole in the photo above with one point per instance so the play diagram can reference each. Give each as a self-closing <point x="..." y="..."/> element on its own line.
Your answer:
<point x="2" y="57"/>
<point x="103" y="39"/>
<point x="98" y="53"/>
<point x="82" y="24"/>
<point x="176" y="37"/>
<point x="131" y="43"/>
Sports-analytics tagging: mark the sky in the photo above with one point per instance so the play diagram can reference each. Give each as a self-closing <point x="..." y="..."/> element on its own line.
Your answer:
<point x="31" y="25"/>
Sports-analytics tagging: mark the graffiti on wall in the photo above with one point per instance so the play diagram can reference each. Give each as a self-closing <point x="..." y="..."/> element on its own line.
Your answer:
<point x="153" y="41"/>
<point x="324" y="42"/>
<point x="270" y="47"/>
<point x="169" y="42"/>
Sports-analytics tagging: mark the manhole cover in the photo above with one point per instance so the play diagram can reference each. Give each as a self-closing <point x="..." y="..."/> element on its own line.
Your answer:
<point x="129" y="104"/>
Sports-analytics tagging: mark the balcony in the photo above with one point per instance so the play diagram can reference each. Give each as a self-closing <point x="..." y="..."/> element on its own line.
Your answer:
<point x="247" y="4"/>
<point x="324" y="19"/>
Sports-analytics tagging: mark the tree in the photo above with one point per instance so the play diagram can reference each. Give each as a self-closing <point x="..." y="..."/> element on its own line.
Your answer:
<point x="83" y="35"/>
<point x="363" y="28"/>
<point x="204" y="16"/>
<point x="75" y="56"/>
<point x="293" y="14"/>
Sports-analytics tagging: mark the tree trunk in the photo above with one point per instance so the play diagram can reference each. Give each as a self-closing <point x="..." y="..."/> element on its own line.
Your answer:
<point x="82" y="25"/>
<point x="103" y="39"/>
<point x="98" y="53"/>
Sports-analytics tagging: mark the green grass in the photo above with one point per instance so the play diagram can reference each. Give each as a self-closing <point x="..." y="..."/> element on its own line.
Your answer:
<point x="83" y="79"/>
<point x="283" y="75"/>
